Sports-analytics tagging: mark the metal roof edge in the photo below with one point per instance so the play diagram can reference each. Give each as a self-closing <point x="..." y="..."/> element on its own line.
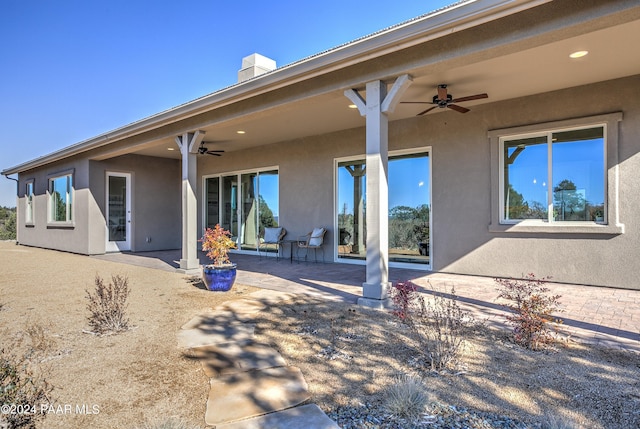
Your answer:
<point x="453" y="18"/>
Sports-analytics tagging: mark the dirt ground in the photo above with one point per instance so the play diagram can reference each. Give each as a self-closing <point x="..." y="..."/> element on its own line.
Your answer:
<point x="124" y="380"/>
<point x="347" y="354"/>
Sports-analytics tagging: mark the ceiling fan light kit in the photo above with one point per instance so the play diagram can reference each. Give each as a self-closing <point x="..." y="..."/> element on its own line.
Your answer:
<point x="202" y="150"/>
<point x="445" y="100"/>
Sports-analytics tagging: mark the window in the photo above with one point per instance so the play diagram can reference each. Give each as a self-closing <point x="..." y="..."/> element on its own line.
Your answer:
<point x="559" y="177"/>
<point x="61" y="199"/>
<point x="29" y="203"/>
<point x="243" y="203"/>
<point x="554" y="176"/>
<point x="409" y="208"/>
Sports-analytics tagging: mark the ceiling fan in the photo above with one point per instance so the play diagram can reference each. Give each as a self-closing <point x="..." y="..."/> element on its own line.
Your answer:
<point x="202" y="150"/>
<point x="443" y="99"/>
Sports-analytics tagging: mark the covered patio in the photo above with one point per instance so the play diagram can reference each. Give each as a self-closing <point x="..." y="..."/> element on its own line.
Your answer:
<point x="596" y="315"/>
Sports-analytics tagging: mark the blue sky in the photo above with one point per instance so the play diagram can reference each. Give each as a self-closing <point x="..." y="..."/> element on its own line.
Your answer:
<point x="73" y="69"/>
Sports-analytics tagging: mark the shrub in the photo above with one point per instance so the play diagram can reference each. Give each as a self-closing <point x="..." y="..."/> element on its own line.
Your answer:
<point x="442" y="329"/>
<point x="532" y="309"/>
<point x="407" y="398"/>
<point x="439" y="324"/>
<point x="40" y="342"/>
<point x="108" y="305"/>
<point x="21" y="386"/>
<point x="404" y="297"/>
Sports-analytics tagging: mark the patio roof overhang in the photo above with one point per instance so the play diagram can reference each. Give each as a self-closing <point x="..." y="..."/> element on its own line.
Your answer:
<point x="508" y="49"/>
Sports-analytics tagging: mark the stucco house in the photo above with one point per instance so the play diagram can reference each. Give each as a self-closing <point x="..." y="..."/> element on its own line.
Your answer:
<point x="540" y="175"/>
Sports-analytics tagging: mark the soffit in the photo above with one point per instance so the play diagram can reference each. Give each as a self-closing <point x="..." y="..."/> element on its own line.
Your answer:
<point x="531" y="71"/>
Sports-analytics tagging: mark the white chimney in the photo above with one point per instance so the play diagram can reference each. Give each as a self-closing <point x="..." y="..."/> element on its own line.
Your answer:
<point x="255" y="65"/>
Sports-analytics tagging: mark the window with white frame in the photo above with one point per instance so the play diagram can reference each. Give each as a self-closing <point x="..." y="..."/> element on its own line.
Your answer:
<point x="554" y="176"/>
<point x="245" y="203"/>
<point x="557" y="177"/>
<point x="28" y="196"/>
<point x="61" y="198"/>
<point x="409" y="227"/>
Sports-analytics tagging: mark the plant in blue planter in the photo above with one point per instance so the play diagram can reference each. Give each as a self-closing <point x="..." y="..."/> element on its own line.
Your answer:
<point x="220" y="275"/>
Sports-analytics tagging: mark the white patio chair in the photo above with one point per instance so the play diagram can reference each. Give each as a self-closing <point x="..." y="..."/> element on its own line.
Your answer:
<point x="313" y="240"/>
<point x="272" y="239"/>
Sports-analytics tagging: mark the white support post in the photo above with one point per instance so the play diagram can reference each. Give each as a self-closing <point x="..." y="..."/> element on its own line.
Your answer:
<point x="378" y="103"/>
<point x="188" y="144"/>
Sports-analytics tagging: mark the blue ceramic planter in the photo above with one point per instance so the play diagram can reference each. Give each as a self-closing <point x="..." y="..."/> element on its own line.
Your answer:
<point x="219" y="278"/>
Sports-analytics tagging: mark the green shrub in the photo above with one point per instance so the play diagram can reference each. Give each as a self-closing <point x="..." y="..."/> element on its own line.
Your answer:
<point x="532" y="308"/>
<point x="407" y="398"/>
<point x="7" y="223"/>
<point x="108" y="305"/>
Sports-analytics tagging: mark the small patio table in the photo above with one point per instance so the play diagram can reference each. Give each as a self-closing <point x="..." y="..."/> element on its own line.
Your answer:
<point x="291" y="243"/>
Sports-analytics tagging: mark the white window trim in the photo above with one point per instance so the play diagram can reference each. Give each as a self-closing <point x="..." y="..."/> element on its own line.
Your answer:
<point x="238" y="173"/>
<point x="29" y="211"/>
<point x="391" y="153"/>
<point x="71" y="213"/>
<point x="612" y="225"/>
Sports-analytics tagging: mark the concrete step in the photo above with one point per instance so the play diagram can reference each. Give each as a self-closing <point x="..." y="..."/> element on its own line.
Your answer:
<point x="226" y="333"/>
<point x="210" y="319"/>
<point x="254" y="393"/>
<point x="232" y="358"/>
<point x="305" y="416"/>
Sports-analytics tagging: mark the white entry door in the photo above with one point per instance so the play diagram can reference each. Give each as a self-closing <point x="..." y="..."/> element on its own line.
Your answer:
<point x="118" y="212"/>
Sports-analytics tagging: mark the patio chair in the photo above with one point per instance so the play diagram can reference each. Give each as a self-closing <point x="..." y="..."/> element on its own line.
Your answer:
<point x="272" y="239"/>
<point x="313" y="240"/>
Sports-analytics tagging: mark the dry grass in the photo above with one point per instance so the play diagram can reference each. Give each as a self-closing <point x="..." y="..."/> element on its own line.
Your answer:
<point x="347" y="354"/>
<point x="131" y="378"/>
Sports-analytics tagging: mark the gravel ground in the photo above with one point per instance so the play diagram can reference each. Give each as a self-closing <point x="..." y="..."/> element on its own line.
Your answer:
<point x="349" y="355"/>
<point x="367" y="416"/>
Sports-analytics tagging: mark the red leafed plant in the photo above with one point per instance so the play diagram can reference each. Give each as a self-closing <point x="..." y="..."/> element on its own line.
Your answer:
<point x="532" y="308"/>
<point x="405" y="299"/>
<point x="217" y="242"/>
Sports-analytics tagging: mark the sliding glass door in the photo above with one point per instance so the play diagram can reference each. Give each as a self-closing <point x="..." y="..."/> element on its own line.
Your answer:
<point x="243" y="203"/>
<point x="409" y="208"/>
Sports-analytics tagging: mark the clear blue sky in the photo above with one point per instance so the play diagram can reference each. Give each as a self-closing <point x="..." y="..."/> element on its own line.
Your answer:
<point x="73" y="69"/>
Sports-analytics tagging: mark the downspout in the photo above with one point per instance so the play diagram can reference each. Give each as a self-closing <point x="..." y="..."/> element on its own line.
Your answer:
<point x="17" y="185"/>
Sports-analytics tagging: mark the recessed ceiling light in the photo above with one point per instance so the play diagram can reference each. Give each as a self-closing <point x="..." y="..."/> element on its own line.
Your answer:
<point x="240" y="132"/>
<point x="171" y="148"/>
<point x="352" y="106"/>
<point x="578" y="54"/>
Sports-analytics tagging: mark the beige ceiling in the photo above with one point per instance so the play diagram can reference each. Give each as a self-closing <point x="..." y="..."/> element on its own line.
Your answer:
<point x="533" y="71"/>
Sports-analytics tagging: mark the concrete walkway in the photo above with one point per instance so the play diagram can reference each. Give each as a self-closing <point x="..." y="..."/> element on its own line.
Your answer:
<point x="251" y="386"/>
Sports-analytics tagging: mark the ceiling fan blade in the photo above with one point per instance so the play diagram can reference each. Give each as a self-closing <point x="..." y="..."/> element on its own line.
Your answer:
<point x="442" y="92"/>
<point x="416" y="102"/>
<point x="458" y="108"/>
<point x="212" y="152"/>
<point x="426" y="111"/>
<point x="470" y="97"/>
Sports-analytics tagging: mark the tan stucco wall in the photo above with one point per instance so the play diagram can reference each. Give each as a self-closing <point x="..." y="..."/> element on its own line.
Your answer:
<point x="461" y="186"/>
<point x="156" y="205"/>
<point x="40" y="234"/>
<point x="461" y="190"/>
<point x="156" y="200"/>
